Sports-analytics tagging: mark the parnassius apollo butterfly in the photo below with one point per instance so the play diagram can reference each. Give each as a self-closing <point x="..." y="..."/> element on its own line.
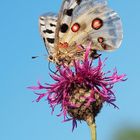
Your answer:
<point x="79" y="22"/>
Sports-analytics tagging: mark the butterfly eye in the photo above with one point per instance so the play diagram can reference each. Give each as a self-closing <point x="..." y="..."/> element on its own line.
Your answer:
<point x="75" y="27"/>
<point x="97" y="23"/>
<point x="50" y="57"/>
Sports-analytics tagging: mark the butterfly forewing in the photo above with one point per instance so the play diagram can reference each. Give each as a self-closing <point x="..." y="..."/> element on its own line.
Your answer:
<point x="47" y="26"/>
<point x="65" y="16"/>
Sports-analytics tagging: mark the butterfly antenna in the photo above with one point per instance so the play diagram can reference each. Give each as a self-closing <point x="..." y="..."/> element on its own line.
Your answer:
<point x="49" y="66"/>
<point x="34" y="57"/>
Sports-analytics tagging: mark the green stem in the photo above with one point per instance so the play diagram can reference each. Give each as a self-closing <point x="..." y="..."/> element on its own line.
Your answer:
<point x="93" y="131"/>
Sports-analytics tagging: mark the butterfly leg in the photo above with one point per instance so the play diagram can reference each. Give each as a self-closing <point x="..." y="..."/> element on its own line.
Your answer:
<point x="94" y="54"/>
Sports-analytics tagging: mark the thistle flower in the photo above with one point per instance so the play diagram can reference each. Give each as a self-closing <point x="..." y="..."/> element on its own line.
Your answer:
<point x="80" y="90"/>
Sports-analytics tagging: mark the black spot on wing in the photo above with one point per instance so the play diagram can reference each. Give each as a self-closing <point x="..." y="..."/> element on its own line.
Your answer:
<point x="48" y="31"/>
<point x="41" y="18"/>
<point x="52" y="25"/>
<point x="64" y="27"/>
<point x="68" y="12"/>
<point x="44" y="40"/>
<point x="78" y="1"/>
<point x="42" y="24"/>
<point x="50" y="40"/>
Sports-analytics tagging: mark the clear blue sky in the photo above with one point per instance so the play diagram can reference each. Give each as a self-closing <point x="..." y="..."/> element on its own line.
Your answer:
<point x="20" y="119"/>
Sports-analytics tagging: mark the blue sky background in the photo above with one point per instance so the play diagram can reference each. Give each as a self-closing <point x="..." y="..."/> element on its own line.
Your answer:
<point x="20" y="119"/>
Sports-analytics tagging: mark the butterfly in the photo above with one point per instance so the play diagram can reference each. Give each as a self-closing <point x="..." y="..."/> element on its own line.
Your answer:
<point x="79" y="22"/>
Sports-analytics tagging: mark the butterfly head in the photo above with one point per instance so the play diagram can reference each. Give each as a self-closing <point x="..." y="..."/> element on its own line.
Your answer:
<point x="63" y="56"/>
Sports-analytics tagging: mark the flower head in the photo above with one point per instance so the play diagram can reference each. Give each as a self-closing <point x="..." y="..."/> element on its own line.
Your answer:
<point x="80" y="90"/>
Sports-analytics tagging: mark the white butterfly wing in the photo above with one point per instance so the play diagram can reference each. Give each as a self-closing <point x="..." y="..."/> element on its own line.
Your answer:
<point x="71" y="10"/>
<point x="110" y="35"/>
<point x="65" y="16"/>
<point x="78" y="22"/>
<point x="107" y="37"/>
<point x="47" y="27"/>
<point x="50" y="25"/>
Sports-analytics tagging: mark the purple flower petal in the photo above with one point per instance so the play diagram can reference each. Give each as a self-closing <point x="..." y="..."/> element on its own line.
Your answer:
<point x="82" y="73"/>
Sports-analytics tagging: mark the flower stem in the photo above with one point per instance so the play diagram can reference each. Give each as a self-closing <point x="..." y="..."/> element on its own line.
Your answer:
<point x="93" y="131"/>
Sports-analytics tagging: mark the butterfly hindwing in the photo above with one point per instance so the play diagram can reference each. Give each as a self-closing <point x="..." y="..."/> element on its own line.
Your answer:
<point x="109" y="36"/>
<point x="97" y="23"/>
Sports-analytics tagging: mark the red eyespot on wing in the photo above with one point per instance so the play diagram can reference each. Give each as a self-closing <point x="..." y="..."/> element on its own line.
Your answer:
<point x="104" y="46"/>
<point x="97" y="23"/>
<point x="75" y="27"/>
<point x="100" y="39"/>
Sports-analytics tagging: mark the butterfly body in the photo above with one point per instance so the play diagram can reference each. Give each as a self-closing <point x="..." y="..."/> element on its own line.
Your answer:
<point x="78" y="23"/>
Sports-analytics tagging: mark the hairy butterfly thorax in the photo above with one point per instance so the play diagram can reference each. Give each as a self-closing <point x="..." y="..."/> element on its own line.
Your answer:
<point x="79" y="22"/>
